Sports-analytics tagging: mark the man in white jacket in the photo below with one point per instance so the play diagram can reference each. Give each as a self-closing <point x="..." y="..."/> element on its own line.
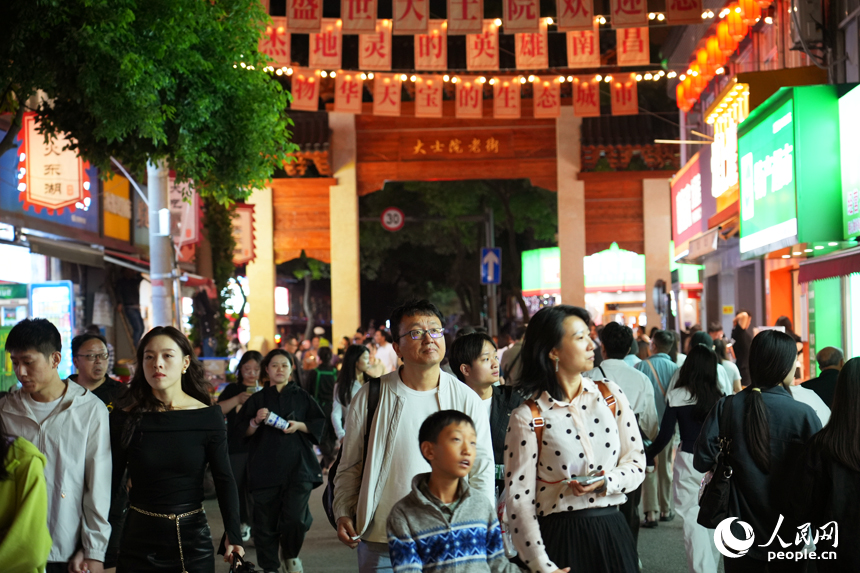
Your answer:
<point x="69" y="425"/>
<point x="367" y="487"/>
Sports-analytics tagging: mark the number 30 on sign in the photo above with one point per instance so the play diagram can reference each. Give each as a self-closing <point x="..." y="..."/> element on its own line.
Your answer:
<point x="392" y="219"/>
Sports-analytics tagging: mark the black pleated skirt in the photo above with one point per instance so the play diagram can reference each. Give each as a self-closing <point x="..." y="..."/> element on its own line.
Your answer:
<point x="150" y="545"/>
<point x="590" y="541"/>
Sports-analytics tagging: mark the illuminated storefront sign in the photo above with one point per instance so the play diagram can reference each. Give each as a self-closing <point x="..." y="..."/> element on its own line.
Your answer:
<point x="790" y="193"/>
<point x="849" y="139"/>
<point x="692" y="202"/>
<point x="725" y="115"/>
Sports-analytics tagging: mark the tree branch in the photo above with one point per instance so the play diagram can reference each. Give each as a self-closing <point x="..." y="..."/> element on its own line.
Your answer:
<point x="8" y="141"/>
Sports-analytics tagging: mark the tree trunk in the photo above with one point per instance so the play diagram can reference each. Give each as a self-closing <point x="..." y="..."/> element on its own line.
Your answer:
<point x="515" y="255"/>
<point x="306" y="307"/>
<point x="8" y="141"/>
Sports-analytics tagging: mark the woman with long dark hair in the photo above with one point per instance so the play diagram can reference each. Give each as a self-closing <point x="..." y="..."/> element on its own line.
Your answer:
<point x="767" y="428"/>
<point x="283" y="423"/>
<point x="356" y="361"/>
<point x="721" y="348"/>
<point x="321" y="382"/>
<point x="165" y="433"/>
<point x="589" y="429"/>
<point x="687" y="405"/>
<point x="231" y="400"/>
<point x="828" y="492"/>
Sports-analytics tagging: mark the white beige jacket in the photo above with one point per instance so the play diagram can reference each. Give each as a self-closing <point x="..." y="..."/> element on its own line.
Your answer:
<point x="358" y="490"/>
<point x="75" y="439"/>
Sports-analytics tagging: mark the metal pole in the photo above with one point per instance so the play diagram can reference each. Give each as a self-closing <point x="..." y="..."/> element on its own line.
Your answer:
<point x="160" y="245"/>
<point x="492" y="311"/>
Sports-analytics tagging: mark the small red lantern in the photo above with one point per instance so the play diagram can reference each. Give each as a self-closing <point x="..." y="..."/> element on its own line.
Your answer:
<point x="716" y="57"/>
<point x="726" y="41"/>
<point x="681" y="95"/>
<point x="699" y="81"/>
<point x="750" y="12"/>
<point x="764" y="4"/>
<point x="737" y="28"/>
<point x="702" y="57"/>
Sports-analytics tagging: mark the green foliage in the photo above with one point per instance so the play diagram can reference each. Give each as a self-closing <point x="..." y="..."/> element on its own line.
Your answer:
<point x="143" y="80"/>
<point x="219" y="226"/>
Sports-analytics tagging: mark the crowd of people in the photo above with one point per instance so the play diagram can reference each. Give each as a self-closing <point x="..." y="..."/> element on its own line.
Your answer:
<point x="534" y="452"/>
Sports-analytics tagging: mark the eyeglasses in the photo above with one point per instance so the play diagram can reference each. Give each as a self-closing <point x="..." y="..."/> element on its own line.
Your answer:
<point x="419" y="334"/>
<point x="93" y="357"/>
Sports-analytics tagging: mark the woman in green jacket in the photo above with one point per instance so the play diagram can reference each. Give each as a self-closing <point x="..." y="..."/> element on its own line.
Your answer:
<point x="24" y="537"/>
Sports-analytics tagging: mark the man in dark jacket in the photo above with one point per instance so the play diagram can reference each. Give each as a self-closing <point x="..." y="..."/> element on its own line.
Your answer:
<point x="830" y="361"/>
<point x="742" y="341"/>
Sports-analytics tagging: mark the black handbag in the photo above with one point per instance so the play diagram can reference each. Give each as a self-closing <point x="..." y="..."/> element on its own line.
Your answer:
<point x="714" y="494"/>
<point x="241" y="566"/>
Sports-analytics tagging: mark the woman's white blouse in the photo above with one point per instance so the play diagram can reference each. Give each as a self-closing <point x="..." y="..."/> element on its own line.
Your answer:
<point x="337" y="410"/>
<point x="578" y="437"/>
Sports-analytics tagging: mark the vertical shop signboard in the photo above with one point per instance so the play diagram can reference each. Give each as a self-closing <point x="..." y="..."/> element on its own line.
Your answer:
<point x="849" y="139"/>
<point x="55" y="301"/>
<point x="692" y="201"/>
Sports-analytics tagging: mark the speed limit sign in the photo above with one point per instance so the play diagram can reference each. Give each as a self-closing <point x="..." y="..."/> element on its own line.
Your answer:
<point x="392" y="219"/>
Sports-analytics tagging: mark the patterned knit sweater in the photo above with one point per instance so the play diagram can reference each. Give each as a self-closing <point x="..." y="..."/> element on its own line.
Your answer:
<point x="463" y="537"/>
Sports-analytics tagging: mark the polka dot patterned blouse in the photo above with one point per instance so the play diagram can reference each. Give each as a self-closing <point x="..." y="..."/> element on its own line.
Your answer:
<point x="579" y="437"/>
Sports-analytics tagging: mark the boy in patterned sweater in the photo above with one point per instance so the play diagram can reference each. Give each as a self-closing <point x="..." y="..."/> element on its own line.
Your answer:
<point x="441" y="525"/>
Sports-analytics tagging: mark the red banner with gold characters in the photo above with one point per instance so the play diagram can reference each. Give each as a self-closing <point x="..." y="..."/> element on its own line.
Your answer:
<point x="583" y="49"/>
<point x="521" y="16"/>
<point x="358" y="16"/>
<point x="304" y="15"/>
<point x="428" y="96"/>
<point x="546" y="97"/>
<point x="629" y="13"/>
<point x="506" y="98"/>
<point x="469" y="99"/>
<point x="386" y="94"/>
<point x="633" y="47"/>
<point x="305" y="89"/>
<point x="531" y="49"/>
<point x="482" y="50"/>
<point x="683" y="12"/>
<point x="465" y="17"/>
<point x="574" y="15"/>
<point x="625" y="95"/>
<point x="374" y="50"/>
<point x="431" y="49"/>
<point x="275" y="43"/>
<point x="326" y="47"/>
<point x="347" y="92"/>
<point x="410" y="17"/>
<point x="586" y="96"/>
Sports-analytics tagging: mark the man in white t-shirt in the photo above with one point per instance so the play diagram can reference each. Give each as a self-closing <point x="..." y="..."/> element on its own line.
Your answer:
<point x="363" y="499"/>
<point x="811" y="399"/>
<point x="385" y="351"/>
<point x="69" y="425"/>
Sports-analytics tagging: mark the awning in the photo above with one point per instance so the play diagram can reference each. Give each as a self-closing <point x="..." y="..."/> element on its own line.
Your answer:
<point x="66" y="251"/>
<point x="836" y="265"/>
<point x="700" y="246"/>
<point x="125" y="260"/>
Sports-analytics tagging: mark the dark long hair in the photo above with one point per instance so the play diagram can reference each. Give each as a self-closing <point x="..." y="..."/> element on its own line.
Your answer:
<point x="247" y="357"/>
<point x="721" y="348"/>
<point x="699" y="376"/>
<point x="772" y="356"/>
<point x="264" y="365"/>
<point x="347" y="374"/>
<point x="841" y="436"/>
<point x="140" y="399"/>
<point x="545" y="332"/>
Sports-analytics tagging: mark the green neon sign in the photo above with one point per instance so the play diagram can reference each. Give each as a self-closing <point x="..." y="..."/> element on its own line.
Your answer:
<point x="849" y="139"/>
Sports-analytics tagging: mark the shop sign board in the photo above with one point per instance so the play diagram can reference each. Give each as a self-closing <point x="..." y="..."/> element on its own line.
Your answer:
<point x="692" y="201"/>
<point x="55" y="300"/>
<point x="789" y="171"/>
<point x="849" y="139"/>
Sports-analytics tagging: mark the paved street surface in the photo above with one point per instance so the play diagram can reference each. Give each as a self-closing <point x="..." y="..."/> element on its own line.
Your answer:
<point x="661" y="549"/>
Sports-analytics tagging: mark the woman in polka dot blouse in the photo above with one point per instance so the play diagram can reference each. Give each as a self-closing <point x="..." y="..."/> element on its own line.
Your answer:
<point x="559" y="524"/>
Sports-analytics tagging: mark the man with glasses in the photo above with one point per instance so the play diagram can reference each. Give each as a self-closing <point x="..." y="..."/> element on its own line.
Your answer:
<point x="407" y="396"/>
<point x="90" y="356"/>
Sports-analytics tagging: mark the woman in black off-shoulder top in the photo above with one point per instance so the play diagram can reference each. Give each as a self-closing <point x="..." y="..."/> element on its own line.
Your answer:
<point x="165" y="435"/>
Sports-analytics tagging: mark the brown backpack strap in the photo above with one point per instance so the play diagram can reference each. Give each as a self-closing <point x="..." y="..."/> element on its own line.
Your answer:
<point x="607" y="395"/>
<point x="537" y="422"/>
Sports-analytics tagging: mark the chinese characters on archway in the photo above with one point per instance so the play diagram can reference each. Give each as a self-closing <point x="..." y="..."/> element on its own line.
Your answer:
<point x="386" y="94"/>
<point x="482" y="50"/>
<point x="348" y="88"/>
<point x="325" y="47"/>
<point x="428" y="96"/>
<point x="275" y="42"/>
<point x="374" y="50"/>
<point x="461" y="146"/>
<point x="431" y="49"/>
<point x="470" y="100"/>
<point x="305" y="89"/>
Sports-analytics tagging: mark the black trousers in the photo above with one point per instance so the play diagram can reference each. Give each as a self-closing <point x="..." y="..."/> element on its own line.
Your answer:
<point x="630" y="511"/>
<point x="281" y="516"/>
<point x="239" y="465"/>
<point x="747" y="564"/>
<point x="57" y="567"/>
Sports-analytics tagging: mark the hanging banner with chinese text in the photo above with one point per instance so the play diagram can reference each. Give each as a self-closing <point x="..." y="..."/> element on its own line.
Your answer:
<point x="374" y="50"/>
<point x="386" y="94"/>
<point x="465" y="17"/>
<point x="586" y="96"/>
<point x="410" y="17"/>
<point x="625" y="95"/>
<point x="431" y="49"/>
<point x="348" y="88"/>
<point x="243" y="234"/>
<point x="506" y="98"/>
<point x="633" y="47"/>
<point x="276" y="42"/>
<point x="358" y="16"/>
<point x="304" y="16"/>
<point x="428" y="96"/>
<point x="521" y="16"/>
<point x="683" y="12"/>
<point x="305" y="89"/>
<point x="583" y="49"/>
<point x="470" y="100"/>
<point x="482" y="50"/>
<point x="629" y="13"/>
<point x="531" y="49"/>
<point x="325" y="48"/>
<point x="575" y="15"/>
<point x="547" y="97"/>
<point x="184" y="205"/>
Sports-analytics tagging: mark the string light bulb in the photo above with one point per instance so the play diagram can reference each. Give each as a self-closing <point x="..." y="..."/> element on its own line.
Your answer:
<point x="607" y="79"/>
<point x="497" y="21"/>
<point x="671" y="75"/>
<point x="602" y="20"/>
<point x="333" y="74"/>
<point x="324" y="74"/>
<point x="531" y="79"/>
<point x="492" y="81"/>
<point x="598" y="78"/>
<point x="522" y="80"/>
<point x="445" y="78"/>
<point x="370" y="76"/>
<point x="413" y="78"/>
<point x="570" y="78"/>
<point x="363" y="76"/>
<point x="549" y="21"/>
<point x="648" y="76"/>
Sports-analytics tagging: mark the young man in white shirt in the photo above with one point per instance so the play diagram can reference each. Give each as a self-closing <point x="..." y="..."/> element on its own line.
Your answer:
<point x="386" y="352"/>
<point x="363" y="500"/>
<point x="69" y="425"/>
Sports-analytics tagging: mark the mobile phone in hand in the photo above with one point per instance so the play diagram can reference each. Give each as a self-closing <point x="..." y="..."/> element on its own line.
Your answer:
<point x="586" y="480"/>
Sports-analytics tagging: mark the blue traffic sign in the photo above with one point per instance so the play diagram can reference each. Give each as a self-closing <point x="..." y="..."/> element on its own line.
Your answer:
<point x="491" y="266"/>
